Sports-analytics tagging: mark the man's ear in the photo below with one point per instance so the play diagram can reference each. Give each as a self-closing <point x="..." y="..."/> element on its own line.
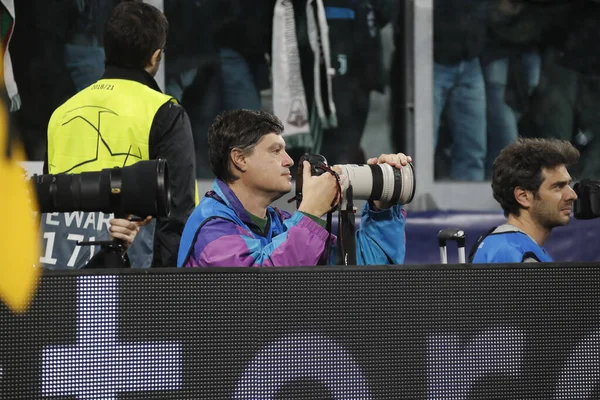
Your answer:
<point x="238" y="160"/>
<point x="155" y="59"/>
<point x="523" y="197"/>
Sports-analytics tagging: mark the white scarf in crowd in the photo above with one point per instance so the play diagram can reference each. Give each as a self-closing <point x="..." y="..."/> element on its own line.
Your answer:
<point x="9" y="78"/>
<point x="289" y="98"/>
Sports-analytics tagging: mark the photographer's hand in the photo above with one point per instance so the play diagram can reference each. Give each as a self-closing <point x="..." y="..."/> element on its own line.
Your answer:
<point x="126" y="230"/>
<point x="395" y="160"/>
<point x="318" y="192"/>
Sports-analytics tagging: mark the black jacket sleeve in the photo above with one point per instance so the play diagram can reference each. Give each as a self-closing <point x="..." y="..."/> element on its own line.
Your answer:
<point x="171" y="139"/>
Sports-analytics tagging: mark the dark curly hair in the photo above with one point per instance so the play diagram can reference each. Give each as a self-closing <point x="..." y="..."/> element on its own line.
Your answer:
<point x="520" y="164"/>
<point x="237" y="129"/>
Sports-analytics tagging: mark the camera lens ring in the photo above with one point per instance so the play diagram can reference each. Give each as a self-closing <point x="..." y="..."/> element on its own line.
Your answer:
<point x="409" y="183"/>
<point x="377" y="188"/>
<point x="398" y="186"/>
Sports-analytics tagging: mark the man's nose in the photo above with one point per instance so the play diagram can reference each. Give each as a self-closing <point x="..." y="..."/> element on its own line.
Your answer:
<point x="571" y="195"/>
<point x="287" y="161"/>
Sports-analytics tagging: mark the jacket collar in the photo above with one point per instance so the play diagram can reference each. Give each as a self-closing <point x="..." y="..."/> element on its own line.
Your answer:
<point x="232" y="201"/>
<point x="132" y="74"/>
<point x="222" y="193"/>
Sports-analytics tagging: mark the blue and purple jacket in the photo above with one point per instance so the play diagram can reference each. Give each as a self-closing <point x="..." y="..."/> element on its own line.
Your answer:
<point x="220" y="233"/>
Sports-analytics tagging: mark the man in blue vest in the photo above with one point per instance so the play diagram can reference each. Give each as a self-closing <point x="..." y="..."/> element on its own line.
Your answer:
<point x="531" y="182"/>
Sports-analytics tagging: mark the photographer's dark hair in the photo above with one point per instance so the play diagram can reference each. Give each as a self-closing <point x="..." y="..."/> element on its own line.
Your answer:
<point x="134" y="31"/>
<point x="237" y="129"/>
<point x="520" y="164"/>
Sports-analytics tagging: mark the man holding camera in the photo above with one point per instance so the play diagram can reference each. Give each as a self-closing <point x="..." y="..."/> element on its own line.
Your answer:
<point x="121" y="119"/>
<point x="235" y="225"/>
<point x="531" y="182"/>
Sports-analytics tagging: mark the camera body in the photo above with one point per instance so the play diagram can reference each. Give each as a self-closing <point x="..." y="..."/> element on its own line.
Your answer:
<point x="587" y="205"/>
<point x="318" y="166"/>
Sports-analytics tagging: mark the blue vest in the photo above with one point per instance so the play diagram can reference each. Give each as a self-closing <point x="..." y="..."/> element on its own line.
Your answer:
<point x="509" y="247"/>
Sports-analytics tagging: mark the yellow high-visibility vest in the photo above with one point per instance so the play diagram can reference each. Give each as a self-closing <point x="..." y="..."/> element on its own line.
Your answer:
<point x="106" y="125"/>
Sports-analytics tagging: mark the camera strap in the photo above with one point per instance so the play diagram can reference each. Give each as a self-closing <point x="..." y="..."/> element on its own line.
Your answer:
<point x="346" y="254"/>
<point x="325" y="260"/>
<point x="477" y="243"/>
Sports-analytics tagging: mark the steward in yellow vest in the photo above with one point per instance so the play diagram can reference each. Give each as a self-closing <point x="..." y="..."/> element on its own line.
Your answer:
<point x="121" y="119"/>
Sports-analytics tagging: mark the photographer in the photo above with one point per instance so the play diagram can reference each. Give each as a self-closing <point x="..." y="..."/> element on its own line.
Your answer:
<point x="531" y="182"/>
<point x="121" y="119"/>
<point x="234" y="225"/>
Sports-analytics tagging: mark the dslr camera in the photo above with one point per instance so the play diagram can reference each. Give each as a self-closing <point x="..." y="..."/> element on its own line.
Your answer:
<point x="365" y="182"/>
<point x="141" y="189"/>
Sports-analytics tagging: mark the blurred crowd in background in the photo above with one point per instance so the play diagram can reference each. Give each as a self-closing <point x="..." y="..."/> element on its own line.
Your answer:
<point x="502" y="68"/>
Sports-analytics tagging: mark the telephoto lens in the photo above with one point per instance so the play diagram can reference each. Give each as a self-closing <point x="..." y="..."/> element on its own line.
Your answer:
<point x="381" y="182"/>
<point x="141" y="189"/>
